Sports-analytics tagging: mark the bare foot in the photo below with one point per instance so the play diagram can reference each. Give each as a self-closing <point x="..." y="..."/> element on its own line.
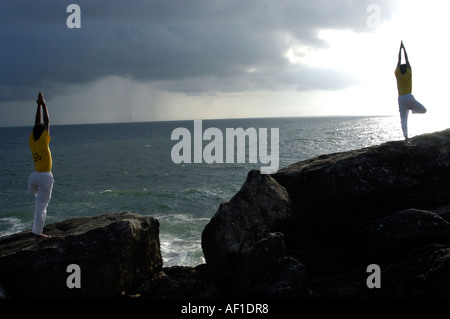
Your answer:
<point x="42" y="236"/>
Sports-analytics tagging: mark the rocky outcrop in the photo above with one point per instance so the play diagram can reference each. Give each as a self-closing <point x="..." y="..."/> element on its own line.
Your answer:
<point x="338" y="213"/>
<point x="243" y="248"/>
<point x="248" y="217"/>
<point x="114" y="252"/>
<point x="308" y="231"/>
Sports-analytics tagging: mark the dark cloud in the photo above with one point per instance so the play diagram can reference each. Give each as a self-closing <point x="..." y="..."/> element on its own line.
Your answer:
<point x="186" y="46"/>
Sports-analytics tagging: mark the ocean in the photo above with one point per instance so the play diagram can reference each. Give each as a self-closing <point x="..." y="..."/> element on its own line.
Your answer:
<point x="110" y="168"/>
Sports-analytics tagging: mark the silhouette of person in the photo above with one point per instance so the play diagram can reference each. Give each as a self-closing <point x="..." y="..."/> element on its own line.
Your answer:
<point x="406" y="100"/>
<point x="40" y="183"/>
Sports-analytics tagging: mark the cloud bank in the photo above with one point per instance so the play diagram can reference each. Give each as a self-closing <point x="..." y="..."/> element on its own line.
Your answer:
<point x="194" y="47"/>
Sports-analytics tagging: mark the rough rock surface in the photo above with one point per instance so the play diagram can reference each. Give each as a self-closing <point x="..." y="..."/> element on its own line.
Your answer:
<point x="115" y="252"/>
<point x="180" y="283"/>
<point x="235" y="243"/>
<point x="386" y="205"/>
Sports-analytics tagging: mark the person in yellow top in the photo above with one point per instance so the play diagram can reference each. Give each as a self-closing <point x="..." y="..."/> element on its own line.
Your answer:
<point x="40" y="183"/>
<point x="406" y="100"/>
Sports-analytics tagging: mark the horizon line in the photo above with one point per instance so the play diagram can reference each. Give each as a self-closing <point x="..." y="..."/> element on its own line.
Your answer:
<point x="210" y="119"/>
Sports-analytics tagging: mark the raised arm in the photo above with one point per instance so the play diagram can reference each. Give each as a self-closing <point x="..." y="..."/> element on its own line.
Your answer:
<point x="400" y="55"/>
<point x="406" y="57"/>
<point x="41" y="101"/>
<point x="37" y="119"/>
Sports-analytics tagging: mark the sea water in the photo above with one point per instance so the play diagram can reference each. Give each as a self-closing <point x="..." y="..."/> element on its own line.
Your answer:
<point x="110" y="168"/>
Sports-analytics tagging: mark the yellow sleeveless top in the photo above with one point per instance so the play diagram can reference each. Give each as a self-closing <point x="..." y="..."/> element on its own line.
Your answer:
<point x="41" y="152"/>
<point x="404" y="81"/>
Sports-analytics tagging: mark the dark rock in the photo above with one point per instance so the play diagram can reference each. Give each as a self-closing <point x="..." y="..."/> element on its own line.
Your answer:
<point x="260" y="207"/>
<point x="397" y="233"/>
<point x="256" y="261"/>
<point x="436" y="279"/>
<point x="263" y="271"/>
<point x="4" y="294"/>
<point x="179" y="282"/>
<point x="335" y="196"/>
<point x="115" y="252"/>
<point x="387" y="205"/>
<point x="287" y="279"/>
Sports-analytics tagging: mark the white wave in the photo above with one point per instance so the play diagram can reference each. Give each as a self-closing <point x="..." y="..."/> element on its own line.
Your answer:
<point x="11" y="225"/>
<point x="180" y="239"/>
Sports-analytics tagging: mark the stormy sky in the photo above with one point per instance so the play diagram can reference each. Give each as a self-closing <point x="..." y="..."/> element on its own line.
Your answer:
<point x="141" y="60"/>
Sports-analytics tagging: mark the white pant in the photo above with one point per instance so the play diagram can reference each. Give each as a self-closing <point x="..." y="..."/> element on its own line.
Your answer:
<point x="405" y="103"/>
<point x="40" y="185"/>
